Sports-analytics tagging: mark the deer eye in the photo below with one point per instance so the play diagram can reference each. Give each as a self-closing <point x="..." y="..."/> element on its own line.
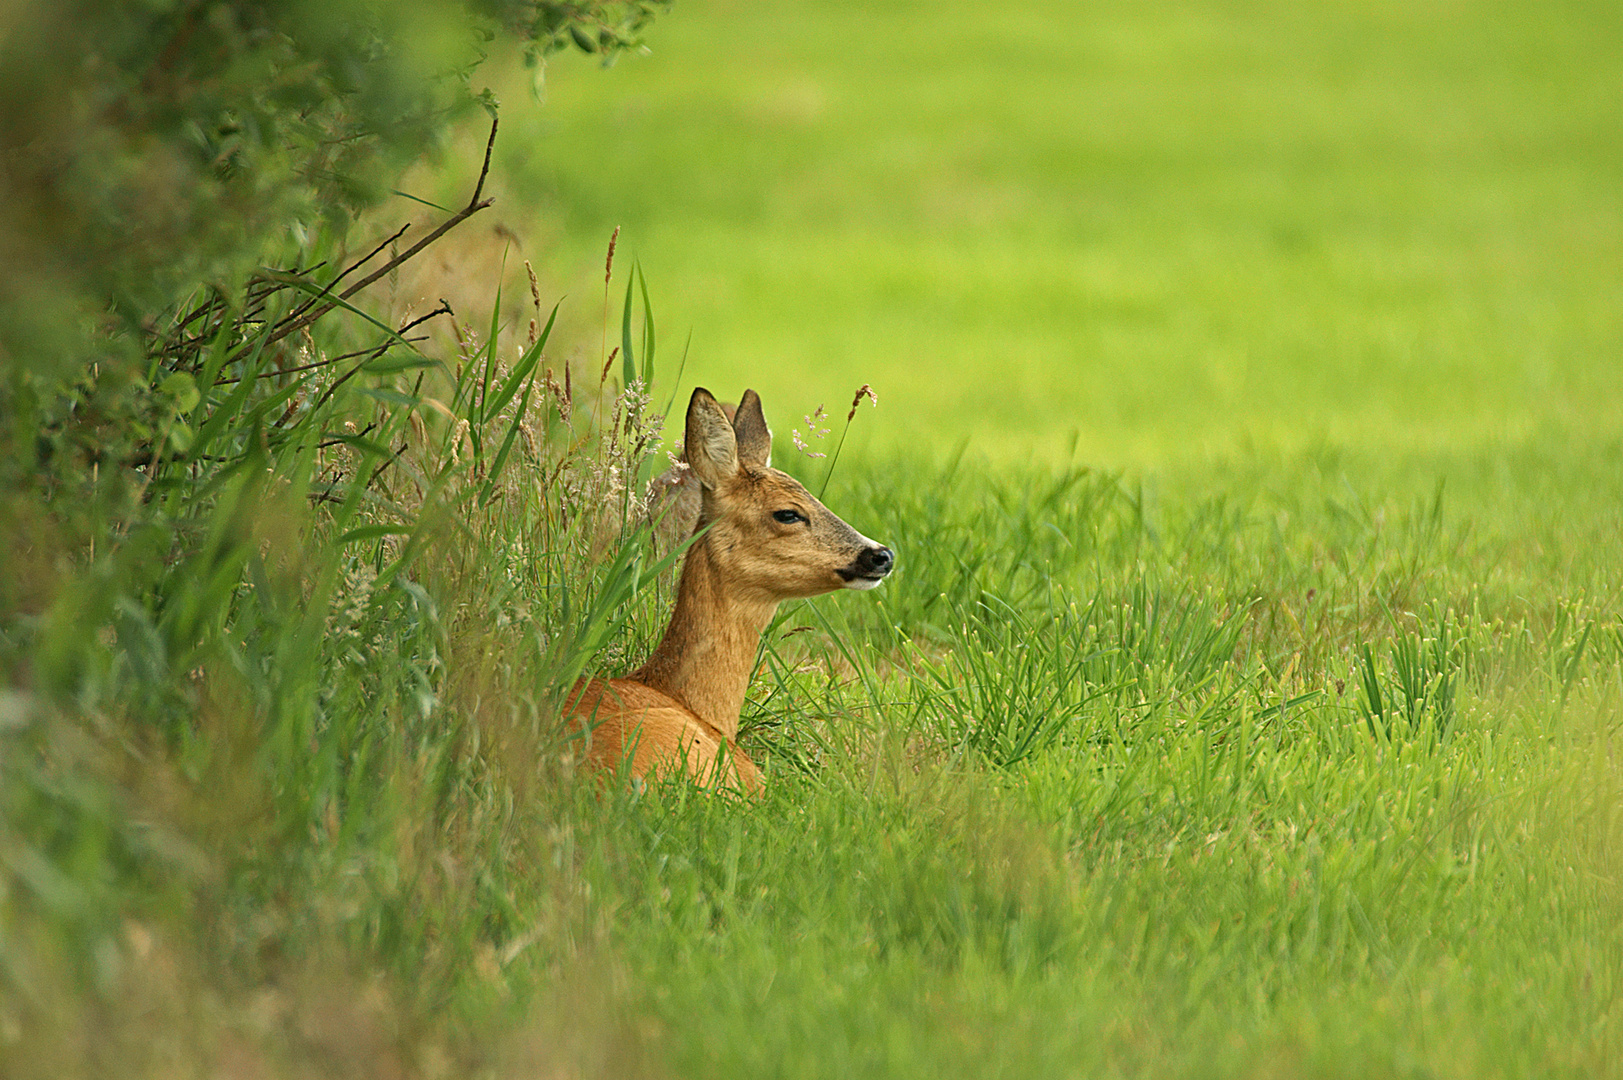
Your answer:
<point x="788" y="517"/>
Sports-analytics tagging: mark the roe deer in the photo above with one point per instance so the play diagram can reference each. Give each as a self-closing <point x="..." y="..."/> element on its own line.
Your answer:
<point x="764" y="540"/>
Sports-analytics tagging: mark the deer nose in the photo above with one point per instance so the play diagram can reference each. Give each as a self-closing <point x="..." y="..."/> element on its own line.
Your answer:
<point x="876" y="561"/>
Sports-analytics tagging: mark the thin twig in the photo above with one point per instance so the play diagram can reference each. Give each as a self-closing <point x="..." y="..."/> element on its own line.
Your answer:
<point x="341" y="440"/>
<point x="475" y="204"/>
<point x="215" y="300"/>
<point x="339" y="359"/>
<point x="351" y="268"/>
<point x="326" y="395"/>
<point x="256" y="289"/>
<point x="392" y="459"/>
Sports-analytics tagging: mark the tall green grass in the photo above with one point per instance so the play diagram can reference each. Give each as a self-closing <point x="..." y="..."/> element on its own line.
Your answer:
<point x="1105" y="781"/>
<point x="1146" y="802"/>
<point x="1293" y="760"/>
<point x="271" y="733"/>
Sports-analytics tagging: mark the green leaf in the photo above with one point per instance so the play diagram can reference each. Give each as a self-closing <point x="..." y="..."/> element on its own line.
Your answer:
<point x="373" y="532"/>
<point x="647" y="331"/>
<point x="390" y="397"/>
<point x="180" y="437"/>
<point x="393" y="365"/>
<point x="500" y="461"/>
<point x="365" y="445"/>
<point x="627" y="360"/>
<point x="181" y="389"/>
<point x="523" y="369"/>
<point x="425" y="202"/>
<point x="482" y="411"/>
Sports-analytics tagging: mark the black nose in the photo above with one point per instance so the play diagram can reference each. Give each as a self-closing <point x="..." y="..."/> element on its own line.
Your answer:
<point x="876" y="561"/>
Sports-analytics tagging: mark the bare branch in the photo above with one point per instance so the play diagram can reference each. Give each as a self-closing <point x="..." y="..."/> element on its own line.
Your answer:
<point x="475" y="204"/>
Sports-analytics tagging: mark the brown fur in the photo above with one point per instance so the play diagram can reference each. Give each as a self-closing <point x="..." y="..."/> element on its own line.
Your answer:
<point x="679" y="711"/>
<point x="675" y="498"/>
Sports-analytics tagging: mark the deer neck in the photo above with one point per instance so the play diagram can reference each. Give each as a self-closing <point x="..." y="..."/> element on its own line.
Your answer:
<point x="707" y="655"/>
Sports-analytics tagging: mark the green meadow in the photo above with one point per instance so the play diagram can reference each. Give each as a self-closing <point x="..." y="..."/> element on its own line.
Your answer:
<point x="1247" y="698"/>
<point x="1150" y="235"/>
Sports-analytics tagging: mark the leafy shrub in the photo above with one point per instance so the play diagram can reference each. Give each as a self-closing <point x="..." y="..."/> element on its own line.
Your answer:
<point x="243" y="734"/>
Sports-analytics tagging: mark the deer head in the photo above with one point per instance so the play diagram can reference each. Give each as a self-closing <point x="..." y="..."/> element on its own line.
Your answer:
<point x="769" y="538"/>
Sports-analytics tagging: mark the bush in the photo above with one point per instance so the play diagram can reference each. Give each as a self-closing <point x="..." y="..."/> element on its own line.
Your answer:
<point x="154" y="158"/>
<point x="243" y="730"/>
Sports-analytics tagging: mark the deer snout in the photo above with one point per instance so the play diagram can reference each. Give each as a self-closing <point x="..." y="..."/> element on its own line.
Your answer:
<point x="869" y="568"/>
<point x="877" y="561"/>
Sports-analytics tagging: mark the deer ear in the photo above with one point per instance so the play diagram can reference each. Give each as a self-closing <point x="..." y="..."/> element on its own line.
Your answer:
<point x="754" y="437"/>
<point x="712" y="449"/>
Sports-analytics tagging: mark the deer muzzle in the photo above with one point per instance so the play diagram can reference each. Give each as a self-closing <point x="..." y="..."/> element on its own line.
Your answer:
<point x="869" y="568"/>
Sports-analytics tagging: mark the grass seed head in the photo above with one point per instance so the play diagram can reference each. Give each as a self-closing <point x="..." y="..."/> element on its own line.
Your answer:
<point x="863" y="391"/>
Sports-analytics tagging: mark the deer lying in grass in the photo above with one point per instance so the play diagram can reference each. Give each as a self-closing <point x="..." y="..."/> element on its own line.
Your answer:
<point x="764" y="540"/>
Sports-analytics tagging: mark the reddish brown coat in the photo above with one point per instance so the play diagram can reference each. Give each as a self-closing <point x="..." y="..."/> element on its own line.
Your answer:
<point x="765" y="539"/>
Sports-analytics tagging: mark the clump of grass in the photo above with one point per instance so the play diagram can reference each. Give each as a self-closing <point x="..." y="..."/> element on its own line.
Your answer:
<point x="1417" y="698"/>
<point x="284" y="744"/>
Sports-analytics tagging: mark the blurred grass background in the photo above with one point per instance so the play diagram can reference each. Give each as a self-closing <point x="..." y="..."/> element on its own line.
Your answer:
<point x="1154" y="234"/>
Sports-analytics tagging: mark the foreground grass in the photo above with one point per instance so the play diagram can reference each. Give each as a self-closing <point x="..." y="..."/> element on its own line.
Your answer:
<point x="1210" y="857"/>
<point x="1100" y="784"/>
